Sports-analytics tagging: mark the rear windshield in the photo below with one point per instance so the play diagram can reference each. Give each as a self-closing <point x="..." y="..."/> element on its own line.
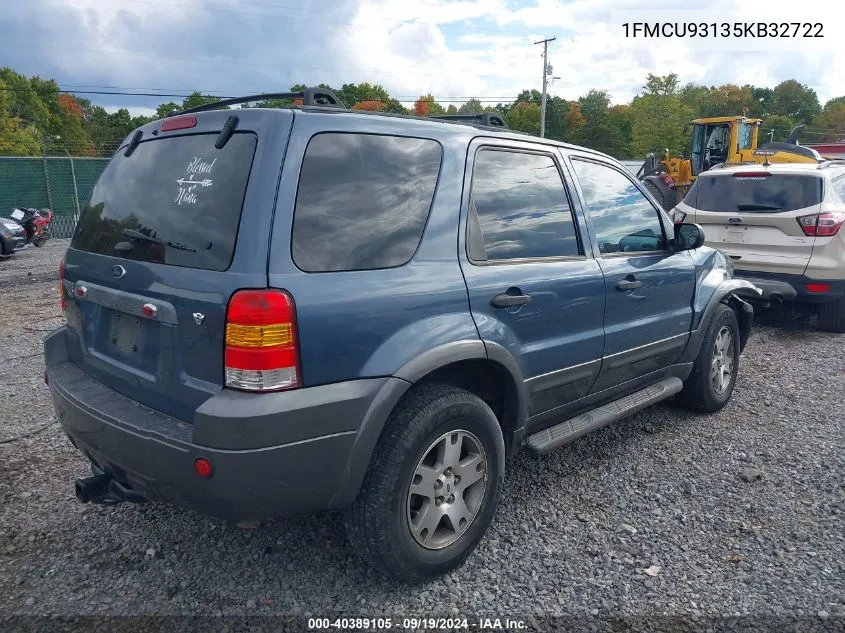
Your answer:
<point x="755" y="194"/>
<point x="363" y="201"/>
<point x="174" y="201"/>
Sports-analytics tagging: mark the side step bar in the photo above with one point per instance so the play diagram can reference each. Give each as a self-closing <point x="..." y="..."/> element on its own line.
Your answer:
<point x="567" y="432"/>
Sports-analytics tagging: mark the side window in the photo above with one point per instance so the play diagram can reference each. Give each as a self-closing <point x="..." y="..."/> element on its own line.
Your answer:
<point x="623" y="219"/>
<point x="839" y="188"/>
<point x="745" y="134"/>
<point x="519" y="208"/>
<point x="363" y="201"/>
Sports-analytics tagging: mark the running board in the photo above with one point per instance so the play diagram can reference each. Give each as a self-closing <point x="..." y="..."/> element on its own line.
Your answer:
<point x="570" y="430"/>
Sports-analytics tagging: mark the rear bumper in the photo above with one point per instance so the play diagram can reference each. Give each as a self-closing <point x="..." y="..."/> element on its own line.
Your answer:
<point x="269" y="452"/>
<point x="782" y="287"/>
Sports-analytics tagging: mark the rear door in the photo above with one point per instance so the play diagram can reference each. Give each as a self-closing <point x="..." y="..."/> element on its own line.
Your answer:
<point x="170" y="232"/>
<point x="533" y="286"/>
<point x="753" y="216"/>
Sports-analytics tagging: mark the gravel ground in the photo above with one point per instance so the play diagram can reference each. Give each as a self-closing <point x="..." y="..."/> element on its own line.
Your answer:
<point x="667" y="513"/>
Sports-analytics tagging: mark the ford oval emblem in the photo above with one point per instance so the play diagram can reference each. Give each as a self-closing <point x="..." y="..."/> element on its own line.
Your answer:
<point x="118" y="271"/>
<point x="735" y="220"/>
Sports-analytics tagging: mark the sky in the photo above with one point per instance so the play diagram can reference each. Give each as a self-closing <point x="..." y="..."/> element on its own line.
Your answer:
<point x="453" y="49"/>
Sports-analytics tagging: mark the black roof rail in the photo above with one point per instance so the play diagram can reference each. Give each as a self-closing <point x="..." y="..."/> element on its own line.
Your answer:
<point x="309" y="96"/>
<point x="484" y="118"/>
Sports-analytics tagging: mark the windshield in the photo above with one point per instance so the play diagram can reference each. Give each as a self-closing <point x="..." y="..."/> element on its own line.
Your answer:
<point x="173" y="201"/>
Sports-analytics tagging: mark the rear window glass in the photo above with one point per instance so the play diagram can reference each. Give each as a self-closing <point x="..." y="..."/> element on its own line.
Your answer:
<point x="174" y="201"/>
<point x="756" y="194"/>
<point x="363" y="201"/>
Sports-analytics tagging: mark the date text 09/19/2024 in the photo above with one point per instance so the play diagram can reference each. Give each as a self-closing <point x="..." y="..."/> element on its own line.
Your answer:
<point x="435" y="624"/>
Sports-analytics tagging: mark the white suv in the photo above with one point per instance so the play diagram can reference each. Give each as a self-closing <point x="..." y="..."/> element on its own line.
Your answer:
<point x="780" y="224"/>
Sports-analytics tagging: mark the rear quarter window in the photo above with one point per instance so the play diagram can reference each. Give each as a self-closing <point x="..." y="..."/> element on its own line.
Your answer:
<point x="363" y="201"/>
<point x="175" y="200"/>
<point x="757" y="194"/>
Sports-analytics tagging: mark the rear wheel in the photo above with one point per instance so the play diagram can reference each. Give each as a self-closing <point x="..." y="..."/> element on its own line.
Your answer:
<point x="711" y="383"/>
<point x="832" y="316"/>
<point x="432" y="487"/>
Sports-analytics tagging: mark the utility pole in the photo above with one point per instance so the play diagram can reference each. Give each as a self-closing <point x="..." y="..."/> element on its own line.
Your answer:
<point x="546" y="73"/>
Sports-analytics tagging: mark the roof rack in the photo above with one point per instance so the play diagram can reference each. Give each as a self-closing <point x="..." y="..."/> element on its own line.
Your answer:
<point x="309" y="96"/>
<point x="484" y="118"/>
<point x="829" y="163"/>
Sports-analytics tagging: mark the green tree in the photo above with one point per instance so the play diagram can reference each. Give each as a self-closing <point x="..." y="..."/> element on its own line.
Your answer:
<point x="831" y="122"/>
<point x="473" y="106"/>
<point x="23" y="101"/>
<point x="196" y="98"/>
<point x="795" y="100"/>
<point x="729" y="100"/>
<point x="351" y="94"/>
<point x="16" y="137"/>
<point x="775" y="128"/>
<point x="696" y="97"/>
<point x="658" y="117"/>
<point x="524" y="117"/>
<point x="166" y="108"/>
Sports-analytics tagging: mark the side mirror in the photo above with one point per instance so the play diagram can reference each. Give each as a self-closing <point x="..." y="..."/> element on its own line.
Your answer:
<point x="688" y="237"/>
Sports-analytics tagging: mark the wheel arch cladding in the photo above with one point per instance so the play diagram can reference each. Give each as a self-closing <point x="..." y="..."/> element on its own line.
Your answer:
<point x="465" y="364"/>
<point x="726" y="293"/>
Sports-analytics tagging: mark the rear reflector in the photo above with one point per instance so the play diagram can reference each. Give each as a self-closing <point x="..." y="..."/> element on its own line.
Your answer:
<point x="178" y="123"/>
<point x="822" y="224"/>
<point x="203" y="467"/>
<point x="261" y="343"/>
<point x="817" y="287"/>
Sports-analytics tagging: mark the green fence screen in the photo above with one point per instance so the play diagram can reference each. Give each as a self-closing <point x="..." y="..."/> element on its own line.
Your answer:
<point x="57" y="183"/>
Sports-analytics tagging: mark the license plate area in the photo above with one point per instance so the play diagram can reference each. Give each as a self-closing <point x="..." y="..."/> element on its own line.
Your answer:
<point x="130" y="340"/>
<point x="734" y="235"/>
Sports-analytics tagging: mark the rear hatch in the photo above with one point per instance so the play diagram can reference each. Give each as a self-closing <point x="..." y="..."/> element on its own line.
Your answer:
<point x="170" y="233"/>
<point x="753" y="216"/>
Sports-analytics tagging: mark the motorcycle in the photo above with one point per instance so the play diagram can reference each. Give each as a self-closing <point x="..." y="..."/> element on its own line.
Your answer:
<point x="36" y="224"/>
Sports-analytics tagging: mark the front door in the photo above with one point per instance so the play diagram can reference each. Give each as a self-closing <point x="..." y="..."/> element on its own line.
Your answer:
<point x="649" y="288"/>
<point x="533" y="287"/>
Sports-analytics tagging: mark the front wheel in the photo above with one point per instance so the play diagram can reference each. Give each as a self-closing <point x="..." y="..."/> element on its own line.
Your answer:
<point x="432" y="487"/>
<point x="711" y="383"/>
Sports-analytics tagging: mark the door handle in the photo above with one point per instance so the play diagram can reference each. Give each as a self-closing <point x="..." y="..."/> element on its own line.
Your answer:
<point x="513" y="297"/>
<point x="628" y="284"/>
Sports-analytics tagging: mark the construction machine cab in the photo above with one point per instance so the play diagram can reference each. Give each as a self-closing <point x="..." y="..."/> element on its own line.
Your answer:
<point x="720" y="140"/>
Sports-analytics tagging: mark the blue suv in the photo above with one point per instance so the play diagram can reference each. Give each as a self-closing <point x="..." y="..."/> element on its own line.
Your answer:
<point x="274" y="311"/>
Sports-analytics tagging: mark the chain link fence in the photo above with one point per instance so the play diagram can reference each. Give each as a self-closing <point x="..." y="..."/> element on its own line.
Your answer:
<point x="60" y="183"/>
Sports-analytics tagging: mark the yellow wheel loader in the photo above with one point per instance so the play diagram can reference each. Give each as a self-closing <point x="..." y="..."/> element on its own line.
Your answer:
<point x="717" y="141"/>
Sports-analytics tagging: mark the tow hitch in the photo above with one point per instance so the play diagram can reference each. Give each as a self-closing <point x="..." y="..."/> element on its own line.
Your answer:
<point x="104" y="489"/>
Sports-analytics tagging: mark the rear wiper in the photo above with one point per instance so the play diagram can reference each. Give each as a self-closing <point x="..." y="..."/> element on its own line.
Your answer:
<point x="155" y="240"/>
<point x="758" y="207"/>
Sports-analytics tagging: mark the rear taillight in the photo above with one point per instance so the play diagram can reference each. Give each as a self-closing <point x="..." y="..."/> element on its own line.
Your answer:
<point x="62" y="284"/>
<point x="261" y="341"/>
<point x="822" y="224"/>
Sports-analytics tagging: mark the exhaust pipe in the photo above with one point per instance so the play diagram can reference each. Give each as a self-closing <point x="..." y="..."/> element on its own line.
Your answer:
<point x="93" y="488"/>
<point x="777" y="299"/>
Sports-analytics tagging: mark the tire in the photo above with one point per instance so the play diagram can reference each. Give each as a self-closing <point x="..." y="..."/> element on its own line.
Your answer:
<point x="663" y="198"/>
<point x="381" y="522"/>
<point x="832" y="316"/>
<point x="700" y="392"/>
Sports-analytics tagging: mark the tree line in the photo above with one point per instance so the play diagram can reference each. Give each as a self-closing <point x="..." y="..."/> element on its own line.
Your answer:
<point x="36" y="117"/>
